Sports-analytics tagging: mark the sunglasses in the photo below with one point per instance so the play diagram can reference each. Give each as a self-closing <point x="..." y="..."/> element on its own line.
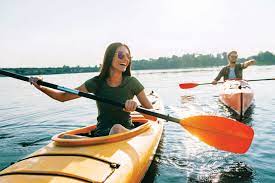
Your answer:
<point x="234" y="56"/>
<point x="122" y="55"/>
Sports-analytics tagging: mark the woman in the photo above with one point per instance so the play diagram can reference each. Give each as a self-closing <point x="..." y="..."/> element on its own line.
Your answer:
<point x="114" y="82"/>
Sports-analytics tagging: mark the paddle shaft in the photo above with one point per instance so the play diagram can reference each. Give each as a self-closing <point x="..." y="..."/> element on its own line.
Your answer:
<point x="88" y="95"/>
<point x="245" y="80"/>
<point x="208" y="83"/>
<point x="261" y="79"/>
<point x="192" y="85"/>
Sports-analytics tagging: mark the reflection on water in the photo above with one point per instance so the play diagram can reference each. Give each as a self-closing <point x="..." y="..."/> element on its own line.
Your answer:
<point x="235" y="172"/>
<point x="33" y="143"/>
<point x="187" y="98"/>
<point x="247" y="118"/>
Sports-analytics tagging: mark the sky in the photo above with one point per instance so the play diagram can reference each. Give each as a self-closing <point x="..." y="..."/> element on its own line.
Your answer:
<point x="53" y="33"/>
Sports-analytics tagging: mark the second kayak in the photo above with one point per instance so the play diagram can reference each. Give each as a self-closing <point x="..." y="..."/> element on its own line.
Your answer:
<point x="237" y="95"/>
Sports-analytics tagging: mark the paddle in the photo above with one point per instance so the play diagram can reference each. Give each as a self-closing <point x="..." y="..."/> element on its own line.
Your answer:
<point x="219" y="132"/>
<point x="192" y="85"/>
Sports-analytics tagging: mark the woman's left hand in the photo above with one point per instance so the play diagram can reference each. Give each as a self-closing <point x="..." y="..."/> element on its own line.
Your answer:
<point x="130" y="105"/>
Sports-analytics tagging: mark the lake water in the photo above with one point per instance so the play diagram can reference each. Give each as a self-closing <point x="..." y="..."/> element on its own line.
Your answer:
<point x="28" y="120"/>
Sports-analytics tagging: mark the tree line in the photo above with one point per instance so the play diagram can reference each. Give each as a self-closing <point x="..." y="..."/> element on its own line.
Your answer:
<point x="174" y="62"/>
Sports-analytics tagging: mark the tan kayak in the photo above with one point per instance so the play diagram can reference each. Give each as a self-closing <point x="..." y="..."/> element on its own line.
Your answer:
<point x="74" y="158"/>
<point x="235" y="97"/>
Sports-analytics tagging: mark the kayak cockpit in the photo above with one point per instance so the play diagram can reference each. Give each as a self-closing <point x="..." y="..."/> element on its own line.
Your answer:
<point x="84" y="136"/>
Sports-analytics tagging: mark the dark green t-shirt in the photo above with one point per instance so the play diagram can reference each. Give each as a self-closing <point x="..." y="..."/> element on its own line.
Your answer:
<point x="108" y="115"/>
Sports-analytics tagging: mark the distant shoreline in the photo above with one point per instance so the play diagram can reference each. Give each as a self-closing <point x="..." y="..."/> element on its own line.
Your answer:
<point x="75" y="70"/>
<point x="186" y="61"/>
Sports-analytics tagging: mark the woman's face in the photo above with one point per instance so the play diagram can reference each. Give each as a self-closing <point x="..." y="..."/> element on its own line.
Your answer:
<point x="121" y="59"/>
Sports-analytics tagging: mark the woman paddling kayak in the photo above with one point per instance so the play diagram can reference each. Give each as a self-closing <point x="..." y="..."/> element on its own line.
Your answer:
<point x="115" y="82"/>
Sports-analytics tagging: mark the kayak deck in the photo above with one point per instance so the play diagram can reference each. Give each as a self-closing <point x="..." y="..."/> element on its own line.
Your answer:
<point x="124" y="160"/>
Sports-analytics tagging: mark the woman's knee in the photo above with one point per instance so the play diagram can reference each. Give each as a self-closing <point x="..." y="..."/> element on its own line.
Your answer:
<point x="117" y="128"/>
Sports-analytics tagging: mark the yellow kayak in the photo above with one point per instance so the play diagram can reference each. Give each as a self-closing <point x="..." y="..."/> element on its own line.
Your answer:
<point x="74" y="158"/>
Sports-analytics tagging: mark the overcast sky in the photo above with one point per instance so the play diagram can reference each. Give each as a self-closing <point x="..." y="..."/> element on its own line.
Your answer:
<point x="42" y="33"/>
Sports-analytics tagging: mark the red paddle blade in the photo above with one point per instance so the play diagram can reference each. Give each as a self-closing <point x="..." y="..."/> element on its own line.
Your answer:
<point x="219" y="132"/>
<point x="187" y="85"/>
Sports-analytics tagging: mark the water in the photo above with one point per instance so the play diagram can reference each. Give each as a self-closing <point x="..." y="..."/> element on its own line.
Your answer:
<point x="28" y="120"/>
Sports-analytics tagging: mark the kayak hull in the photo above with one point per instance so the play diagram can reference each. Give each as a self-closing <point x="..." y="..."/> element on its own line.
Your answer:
<point x="231" y="95"/>
<point x="121" y="160"/>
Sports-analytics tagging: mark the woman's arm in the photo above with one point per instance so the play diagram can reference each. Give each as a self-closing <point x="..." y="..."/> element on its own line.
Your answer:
<point x="131" y="105"/>
<point x="144" y="101"/>
<point x="57" y="95"/>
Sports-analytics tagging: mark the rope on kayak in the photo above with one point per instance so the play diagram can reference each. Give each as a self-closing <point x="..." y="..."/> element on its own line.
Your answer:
<point x="113" y="165"/>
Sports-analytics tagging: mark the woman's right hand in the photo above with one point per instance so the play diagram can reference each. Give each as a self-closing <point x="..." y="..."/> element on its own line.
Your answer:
<point x="33" y="81"/>
<point x="130" y="106"/>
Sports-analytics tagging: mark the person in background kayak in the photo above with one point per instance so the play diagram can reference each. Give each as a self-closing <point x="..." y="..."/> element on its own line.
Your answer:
<point x="233" y="70"/>
<point x="113" y="82"/>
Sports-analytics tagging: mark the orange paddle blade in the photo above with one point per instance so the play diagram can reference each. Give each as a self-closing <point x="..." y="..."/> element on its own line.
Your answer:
<point x="219" y="132"/>
<point x="187" y="85"/>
